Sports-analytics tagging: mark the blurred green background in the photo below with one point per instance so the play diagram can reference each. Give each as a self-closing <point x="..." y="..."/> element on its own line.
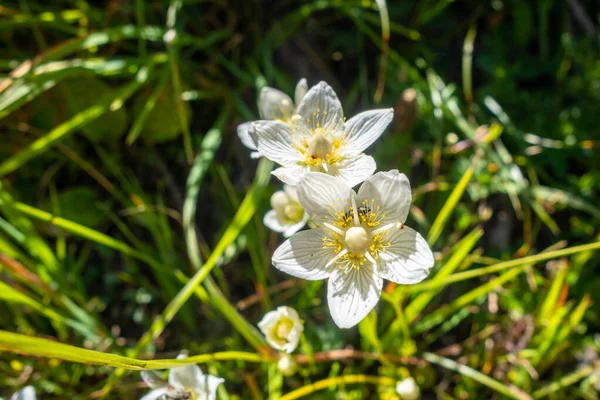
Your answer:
<point x="106" y="107"/>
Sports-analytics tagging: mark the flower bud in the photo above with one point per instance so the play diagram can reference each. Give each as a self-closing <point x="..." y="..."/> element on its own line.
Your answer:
<point x="408" y="389"/>
<point x="286" y="365"/>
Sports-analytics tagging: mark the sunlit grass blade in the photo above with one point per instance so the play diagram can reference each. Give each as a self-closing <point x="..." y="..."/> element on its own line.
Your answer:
<point x="511" y="392"/>
<point x="10" y="295"/>
<point x="147" y="108"/>
<point x="550" y="301"/>
<point x="37" y="347"/>
<point x="565" y="381"/>
<point x="450" y="205"/>
<point x="385" y="45"/>
<point x="210" y="144"/>
<point x="461" y="276"/>
<point x="461" y="250"/>
<point x="109" y="102"/>
<point x="77" y="229"/>
<point x="173" y="53"/>
<point x="443" y="313"/>
<point x="46" y="76"/>
<point x="242" y="217"/>
<point x="340" y="380"/>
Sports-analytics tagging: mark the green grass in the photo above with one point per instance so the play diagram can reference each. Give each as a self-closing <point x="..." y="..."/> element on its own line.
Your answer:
<point x="131" y="215"/>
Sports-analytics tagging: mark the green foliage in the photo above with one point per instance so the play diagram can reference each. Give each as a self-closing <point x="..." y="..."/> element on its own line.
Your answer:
<point x="131" y="215"/>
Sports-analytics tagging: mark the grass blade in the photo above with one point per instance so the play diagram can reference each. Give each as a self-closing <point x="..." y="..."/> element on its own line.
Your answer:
<point x="37" y="347"/>
<point x="450" y="205"/>
<point x="461" y="251"/>
<point x="242" y="217"/>
<point x="112" y="101"/>
<point x="508" y="391"/>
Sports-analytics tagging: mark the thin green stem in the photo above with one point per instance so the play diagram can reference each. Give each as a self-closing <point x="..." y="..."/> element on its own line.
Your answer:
<point x="340" y="380"/>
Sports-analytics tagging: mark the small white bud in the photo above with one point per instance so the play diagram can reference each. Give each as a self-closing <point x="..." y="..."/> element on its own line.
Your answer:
<point x="286" y="365"/>
<point x="408" y="389"/>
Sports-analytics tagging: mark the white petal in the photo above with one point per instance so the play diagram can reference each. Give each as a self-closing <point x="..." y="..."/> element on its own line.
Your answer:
<point x="268" y="320"/>
<point x="353" y="170"/>
<point x="186" y="376"/>
<point x="321" y="195"/>
<point x="304" y="256"/>
<point x="207" y="389"/>
<point x="154" y="394"/>
<point x="243" y="131"/>
<point x="301" y="90"/>
<point x="408" y="258"/>
<point x="291" y="229"/>
<point x="255" y="155"/>
<point x="274" y="104"/>
<point x="27" y="393"/>
<point x="291" y="192"/>
<point x="391" y="192"/>
<point x="322" y="108"/>
<point x="293" y="338"/>
<point x="274" y="141"/>
<point x="365" y="128"/>
<point x="272" y="222"/>
<point x="291" y="175"/>
<point x="351" y="295"/>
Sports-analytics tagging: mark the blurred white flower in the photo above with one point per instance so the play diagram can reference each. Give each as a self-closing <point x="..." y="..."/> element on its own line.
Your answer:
<point x="27" y="393"/>
<point x="185" y="382"/>
<point x="286" y="365"/>
<point x="273" y="105"/>
<point x="287" y="215"/>
<point x="408" y="389"/>
<point x="318" y="139"/>
<point x="282" y="328"/>
<point x="361" y="240"/>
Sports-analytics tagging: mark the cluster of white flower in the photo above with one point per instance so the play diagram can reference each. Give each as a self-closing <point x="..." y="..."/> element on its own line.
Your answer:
<point x="360" y="238"/>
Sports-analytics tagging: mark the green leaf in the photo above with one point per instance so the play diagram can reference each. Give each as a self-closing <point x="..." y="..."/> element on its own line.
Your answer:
<point x="161" y="121"/>
<point x="78" y="204"/>
<point x="83" y="93"/>
<point x="102" y="105"/>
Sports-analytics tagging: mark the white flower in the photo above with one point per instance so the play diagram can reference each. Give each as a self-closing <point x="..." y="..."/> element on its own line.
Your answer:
<point x="287" y="215"/>
<point x="273" y="105"/>
<point x="408" y="389"/>
<point x="318" y="139"/>
<point x="361" y="240"/>
<point x="286" y="365"/>
<point x="282" y="328"/>
<point x="185" y="380"/>
<point x="27" y="393"/>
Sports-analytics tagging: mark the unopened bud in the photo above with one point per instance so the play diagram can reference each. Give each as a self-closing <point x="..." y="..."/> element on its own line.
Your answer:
<point x="286" y="365"/>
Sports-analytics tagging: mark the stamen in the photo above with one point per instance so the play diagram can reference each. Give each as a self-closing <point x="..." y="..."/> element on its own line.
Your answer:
<point x="370" y="257"/>
<point x="386" y="227"/>
<point x="355" y="212"/>
<point x="334" y="228"/>
<point x="334" y="259"/>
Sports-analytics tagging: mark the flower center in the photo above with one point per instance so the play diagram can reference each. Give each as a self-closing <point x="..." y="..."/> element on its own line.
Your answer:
<point x="357" y="240"/>
<point x="356" y="230"/>
<point x="283" y="328"/>
<point x="293" y="212"/>
<point x="319" y="146"/>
